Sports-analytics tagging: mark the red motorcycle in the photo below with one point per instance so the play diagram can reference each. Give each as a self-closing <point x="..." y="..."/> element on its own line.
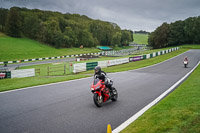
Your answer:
<point x="101" y="91"/>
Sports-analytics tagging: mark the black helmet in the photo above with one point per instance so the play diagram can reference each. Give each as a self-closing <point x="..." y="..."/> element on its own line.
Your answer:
<point x="97" y="70"/>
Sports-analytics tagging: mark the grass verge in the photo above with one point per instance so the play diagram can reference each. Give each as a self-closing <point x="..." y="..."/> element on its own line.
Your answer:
<point x="191" y="46"/>
<point x="10" y="84"/>
<point x="23" y="48"/>
<point x="179" y="112"/>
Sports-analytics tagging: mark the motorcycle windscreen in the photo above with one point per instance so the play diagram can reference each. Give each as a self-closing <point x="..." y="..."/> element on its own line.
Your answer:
<point x="96" y="81"/>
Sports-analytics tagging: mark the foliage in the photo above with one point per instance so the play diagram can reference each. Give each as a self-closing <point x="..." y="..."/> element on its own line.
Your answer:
<point x="61" y="30"/>
<point x="127" y="36"/>
<point x="3" y="15"/>
<point x="159" y="38"/>
<point x="13" y="23"/>
<point x="141" y="32"/>
<point x="179" y="32"/>
<point x="116" y="39"/>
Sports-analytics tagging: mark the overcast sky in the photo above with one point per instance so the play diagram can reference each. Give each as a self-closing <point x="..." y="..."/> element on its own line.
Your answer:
<point x="128" y="14"/>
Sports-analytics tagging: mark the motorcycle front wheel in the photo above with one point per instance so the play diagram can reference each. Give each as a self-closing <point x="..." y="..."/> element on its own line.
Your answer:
<point x="97" y="100"/>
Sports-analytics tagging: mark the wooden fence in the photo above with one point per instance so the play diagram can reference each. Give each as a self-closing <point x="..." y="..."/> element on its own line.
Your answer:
<point x="55" y="69"/>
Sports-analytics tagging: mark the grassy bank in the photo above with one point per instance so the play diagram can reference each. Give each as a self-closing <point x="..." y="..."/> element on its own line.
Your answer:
<point x="191" y="46"/>
<point x="10" y="84"/>
<point x="179" y="112"/>
<point x="24" y="48"/>
<point x="140" y="38"/>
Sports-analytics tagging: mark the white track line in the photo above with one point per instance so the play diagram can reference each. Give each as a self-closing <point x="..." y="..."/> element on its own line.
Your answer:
<point x="43" y="85"/>
<point x="138" y="114"/>
<point x="81" y="78"/>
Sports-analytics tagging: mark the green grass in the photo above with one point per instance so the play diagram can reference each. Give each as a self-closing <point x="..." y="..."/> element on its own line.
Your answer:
<point x="24" y="48"/>
<point x="140" y="38"/>
<point x="191" y="46"/>
<point x="10" y="84"/>
<point x="179" y="112"/>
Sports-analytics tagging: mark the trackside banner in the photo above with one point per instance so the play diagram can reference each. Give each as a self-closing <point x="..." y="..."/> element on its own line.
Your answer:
<point x="136" y="58"/>
<point x="103" y="64"/>
<point x="23" y="73"/>
<point x="118" y="61"/>
<point x="79" y="67"/>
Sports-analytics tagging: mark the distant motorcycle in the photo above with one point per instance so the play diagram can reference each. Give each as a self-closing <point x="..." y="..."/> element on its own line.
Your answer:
<point x="185" y="63"/>
<point x="101" y="91"/>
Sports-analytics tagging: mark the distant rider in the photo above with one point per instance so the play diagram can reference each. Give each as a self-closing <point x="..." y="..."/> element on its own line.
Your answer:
<point x="186" y="59"/>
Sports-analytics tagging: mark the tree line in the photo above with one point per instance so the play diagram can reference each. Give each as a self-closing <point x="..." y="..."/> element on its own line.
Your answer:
<point x="142" y="32"/>
<point x="61" y="30"/>
<point x="176" y="33"/>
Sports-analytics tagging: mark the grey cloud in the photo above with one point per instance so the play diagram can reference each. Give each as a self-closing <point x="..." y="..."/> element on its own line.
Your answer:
<point x="129" y="14"/>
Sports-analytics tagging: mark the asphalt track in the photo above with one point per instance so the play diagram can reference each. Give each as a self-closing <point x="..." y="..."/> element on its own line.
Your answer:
<point x="68" y="107"/>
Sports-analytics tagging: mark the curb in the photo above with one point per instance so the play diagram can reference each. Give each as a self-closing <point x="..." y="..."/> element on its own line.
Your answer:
<point x="47" y="58"/>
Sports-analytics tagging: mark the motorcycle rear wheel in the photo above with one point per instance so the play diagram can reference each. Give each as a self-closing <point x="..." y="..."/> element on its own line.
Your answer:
<point x="115" y="94"/>
<point x="97" y="100"/>
<point x="185" y="65"/>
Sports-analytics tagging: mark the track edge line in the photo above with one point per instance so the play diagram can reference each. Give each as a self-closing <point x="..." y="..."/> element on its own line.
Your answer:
<point x="147" y="107"/>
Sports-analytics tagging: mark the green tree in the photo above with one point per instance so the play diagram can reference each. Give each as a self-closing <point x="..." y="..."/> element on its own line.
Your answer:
<point x="176" y="34"/>
<point x="52" y="31"/>
<point x="197" y="31"/>
<point x="63" y="30"/>
<point x="70" y="38"/>
<point x="116" y="39"/>
<point x="3" y="16"/>
<point x="31" y="24"/>
<point x="126" y="37"/>
<point x="13" y="23"/>
<point x="132" y="39"/>
<point x="159" y="38"/>
<point x="191" y="29"/>
<point x="85" y="38"/>
<point x="58" y="39"/>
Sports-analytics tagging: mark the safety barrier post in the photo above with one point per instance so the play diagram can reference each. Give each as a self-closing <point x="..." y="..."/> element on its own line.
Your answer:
<point x="65" y="69"/>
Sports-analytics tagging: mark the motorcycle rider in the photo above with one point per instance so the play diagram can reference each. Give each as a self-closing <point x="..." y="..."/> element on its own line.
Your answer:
<point x="101" y="75"/>
<point x="186" y="59"/>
